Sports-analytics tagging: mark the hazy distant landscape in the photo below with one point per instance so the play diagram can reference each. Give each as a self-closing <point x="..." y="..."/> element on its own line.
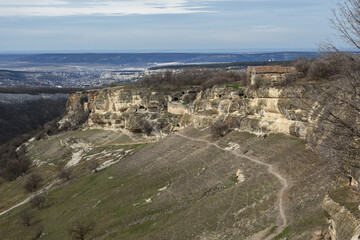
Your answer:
<point x="93" y="70"/>
<point x="131" y="61"/>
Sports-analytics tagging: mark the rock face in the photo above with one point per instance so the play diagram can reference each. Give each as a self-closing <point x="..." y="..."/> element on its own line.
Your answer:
<point x="263" y="111"/>
<point x="291" y="111"/>
<point x="343" y="225"/>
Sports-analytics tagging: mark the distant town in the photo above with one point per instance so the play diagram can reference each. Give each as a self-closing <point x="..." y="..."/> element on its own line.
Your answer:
<point x="98" y="70"/>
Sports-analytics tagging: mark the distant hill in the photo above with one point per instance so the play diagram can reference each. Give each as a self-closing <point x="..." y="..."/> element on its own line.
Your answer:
<point x="132" y="60"/>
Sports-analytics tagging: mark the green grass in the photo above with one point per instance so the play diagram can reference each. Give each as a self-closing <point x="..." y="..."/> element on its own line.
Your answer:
<point x="283" y="234"/>
<point x="347" y="197"/>
<point x="271" y="230"/>
<point x="201" y="193"/>
<point x="233" y="85"/>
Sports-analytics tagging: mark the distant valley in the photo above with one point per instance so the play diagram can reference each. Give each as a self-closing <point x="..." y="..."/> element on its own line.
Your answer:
<point x="93" y="70"/>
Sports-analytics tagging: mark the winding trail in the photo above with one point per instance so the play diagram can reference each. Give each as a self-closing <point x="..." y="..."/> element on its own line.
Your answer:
<point x="42" y="190"/>
<point x="270" y="169"/>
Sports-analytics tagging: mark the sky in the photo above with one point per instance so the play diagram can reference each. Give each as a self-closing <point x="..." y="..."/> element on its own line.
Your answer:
<point x="164" y="25"/>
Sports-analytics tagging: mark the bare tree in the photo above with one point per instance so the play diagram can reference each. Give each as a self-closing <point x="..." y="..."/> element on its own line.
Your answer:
<point x="346" y="21"/>
<point x="38" y="201"/>
<point x="334" y="104"/>
<point x="146" y="126"/>
<point x="38" y="233"/>
<point x="81" y="229"/>
<point x="26" y="216"/>
<point x="341" y="100"/>
<point x="33" y="182"/>
<point x="65" y="173"/>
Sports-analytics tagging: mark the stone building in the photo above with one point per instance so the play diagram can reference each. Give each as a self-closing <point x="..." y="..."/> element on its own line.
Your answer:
<point x="272" y="74"/>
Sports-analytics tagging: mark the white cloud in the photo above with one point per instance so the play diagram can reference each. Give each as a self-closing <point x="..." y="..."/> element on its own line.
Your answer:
<point x="4" y="3"/>
<point x="108" y="8"/>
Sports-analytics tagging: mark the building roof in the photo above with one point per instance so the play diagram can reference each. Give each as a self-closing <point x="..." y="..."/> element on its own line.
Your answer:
<point x="272" y="69"/>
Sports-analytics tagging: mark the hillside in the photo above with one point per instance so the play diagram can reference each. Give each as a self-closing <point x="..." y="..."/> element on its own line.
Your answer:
<point x="159" y="190"/>
<point x="23" y="110"/>
<point x="224" y="160"/>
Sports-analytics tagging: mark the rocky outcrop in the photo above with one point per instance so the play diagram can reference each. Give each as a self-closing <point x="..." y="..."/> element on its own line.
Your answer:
<point x="263" y="111"/>
<point x="343" y="225"/>
<point x="294" y="110"/>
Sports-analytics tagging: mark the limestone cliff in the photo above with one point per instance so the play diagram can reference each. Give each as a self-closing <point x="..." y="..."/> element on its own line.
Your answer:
<point x="263" y="111"/>
<point x="343" y="224"/>
<point x="292" y="110"/>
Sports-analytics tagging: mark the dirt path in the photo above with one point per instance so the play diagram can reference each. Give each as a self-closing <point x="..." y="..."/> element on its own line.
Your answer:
<point x="124" y="143"/>
<point x="43" y="190"/>
<point x="270" y="169"/>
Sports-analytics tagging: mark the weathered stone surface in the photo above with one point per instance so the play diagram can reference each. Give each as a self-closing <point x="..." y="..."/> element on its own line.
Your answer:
<point x="266" y="110"/>
<point x="343" y="225"/>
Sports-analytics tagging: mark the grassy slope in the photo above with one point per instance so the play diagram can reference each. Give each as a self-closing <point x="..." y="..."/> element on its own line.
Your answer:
<point x="201" y="198"/>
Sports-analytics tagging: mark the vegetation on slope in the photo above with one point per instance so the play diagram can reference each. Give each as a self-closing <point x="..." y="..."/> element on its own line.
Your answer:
<point x="175" y="188"/>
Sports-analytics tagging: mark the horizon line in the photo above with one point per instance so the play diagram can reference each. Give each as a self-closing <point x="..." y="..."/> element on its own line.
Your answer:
<point x="242" y="51"/>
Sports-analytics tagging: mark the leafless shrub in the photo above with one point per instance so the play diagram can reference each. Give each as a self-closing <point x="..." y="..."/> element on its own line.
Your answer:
<point x="33" y="182"/>
<point x="26" y="217"/>
<point x="219" y="129"/>
<point x="322" y="68"/>
<point x="65" y="173"/>
<point x="38" y="233"/>
<point x="302" y="66"/>
<point x="146" y="126"/>
<point x="194" y="77"/>
<point x="38" y="201"/>
<point x="259" y="82"/>
<point x="223" y="77"/>
<point x="93" y="165"/>
<point x="16" y="167"/>
<point x="337" y="109"/>
<point x="188" y="98"/>
<point x="81" y="230"/>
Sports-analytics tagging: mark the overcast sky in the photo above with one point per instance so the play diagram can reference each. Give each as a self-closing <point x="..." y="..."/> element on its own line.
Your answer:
<point x="163" y="25"/>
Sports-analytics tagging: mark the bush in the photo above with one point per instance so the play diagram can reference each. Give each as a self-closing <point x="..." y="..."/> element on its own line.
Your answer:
<point x="14" y="163"/>
<point x="194" y="77"/>
<point x="15" y="168"/>
<point x="326" y="67"/>
<point x="188" y="98"/>
<point x="93" y="165"/>
<point x="289" y="79"/>
<point x="146" y="126"/>
<point x="80" y="230"/>
<point x="219" y="129"/>
<point x="26" y="216"/>
<point x="321" y="69"/>
<point x="38" y="233"/>
<point x="38" y="201"/>
<point x="302" y="66"/>
<point x="259" y="82"/>
<point x="33" y="182"/>
<point x="65" y="173"/>
<point x="20" y="118"/>
<point x="224" y="78"/>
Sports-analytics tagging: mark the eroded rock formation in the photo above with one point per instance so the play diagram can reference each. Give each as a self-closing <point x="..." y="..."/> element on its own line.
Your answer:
<point x="291" y="110"/>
